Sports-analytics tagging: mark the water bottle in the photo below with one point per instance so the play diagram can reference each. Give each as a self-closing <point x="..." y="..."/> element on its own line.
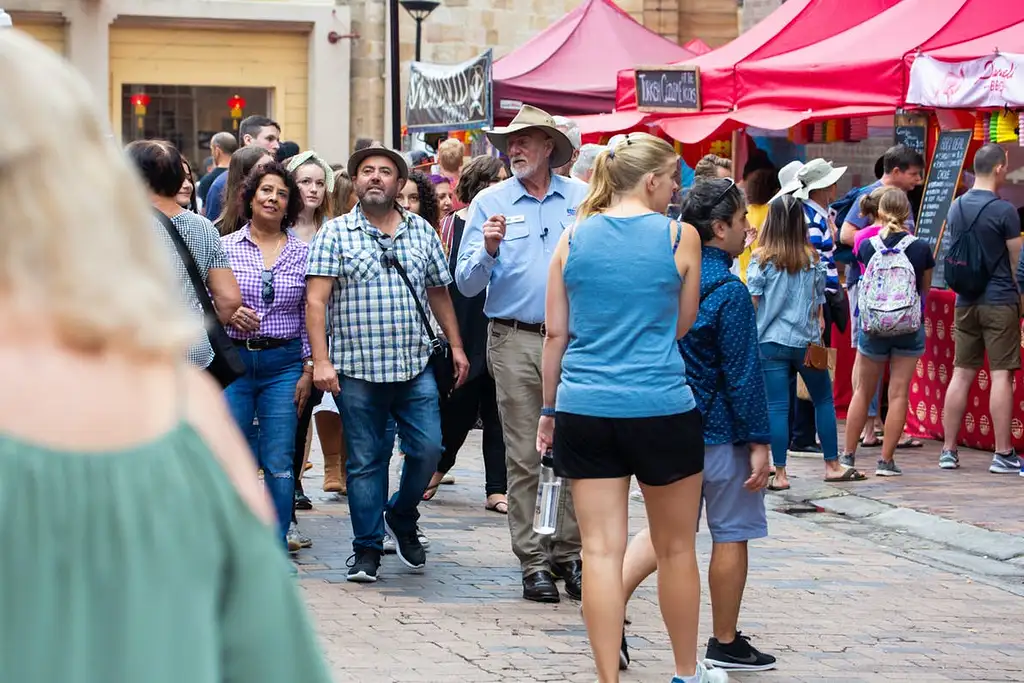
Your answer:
<point x="549" y="493"/>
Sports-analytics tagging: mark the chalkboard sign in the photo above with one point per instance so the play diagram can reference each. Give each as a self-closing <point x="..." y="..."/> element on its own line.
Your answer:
<point x="939" y="190"/>
<point x="668" y="88"/>
<point x="912" y="136"/>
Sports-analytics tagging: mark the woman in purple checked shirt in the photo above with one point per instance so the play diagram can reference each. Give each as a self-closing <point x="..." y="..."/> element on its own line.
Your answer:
<point x="270" y="328"/>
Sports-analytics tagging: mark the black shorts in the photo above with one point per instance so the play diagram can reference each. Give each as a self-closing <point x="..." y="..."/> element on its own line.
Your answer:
<point x="658" y="450"/>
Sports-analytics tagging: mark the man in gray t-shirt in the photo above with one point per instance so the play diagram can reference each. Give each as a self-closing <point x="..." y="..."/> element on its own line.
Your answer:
<point x="989" y="324"/>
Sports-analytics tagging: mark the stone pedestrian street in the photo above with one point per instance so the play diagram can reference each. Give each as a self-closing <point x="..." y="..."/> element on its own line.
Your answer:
<point x="837" y="597"/>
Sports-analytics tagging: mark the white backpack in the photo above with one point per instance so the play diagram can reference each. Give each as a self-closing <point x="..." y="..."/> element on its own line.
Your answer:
<point x="888" y="301"/>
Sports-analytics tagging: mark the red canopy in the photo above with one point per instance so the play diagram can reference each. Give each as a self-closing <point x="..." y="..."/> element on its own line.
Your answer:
<point x="697" y="46"/>
<point x="570" y="68"/>
<point x="864" y="66"/>
<point x="794" y="25"/>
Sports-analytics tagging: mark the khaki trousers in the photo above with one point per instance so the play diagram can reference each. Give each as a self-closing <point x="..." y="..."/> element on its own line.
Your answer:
<point x="514" y="361"/>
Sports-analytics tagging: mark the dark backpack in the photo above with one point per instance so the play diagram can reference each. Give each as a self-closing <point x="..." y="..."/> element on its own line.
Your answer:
<point x="841" y="208"/>
<point x="964" y="268"/>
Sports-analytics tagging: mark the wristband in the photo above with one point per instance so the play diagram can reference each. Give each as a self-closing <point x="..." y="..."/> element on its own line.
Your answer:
<point x="547" y="411"/>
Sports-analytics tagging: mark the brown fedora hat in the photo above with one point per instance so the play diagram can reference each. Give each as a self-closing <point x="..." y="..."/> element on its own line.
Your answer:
<point x="532" y="117"/>
<point x="377" y="150"/>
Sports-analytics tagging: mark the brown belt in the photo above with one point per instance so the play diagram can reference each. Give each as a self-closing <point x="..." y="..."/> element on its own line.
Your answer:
<point x="536" y="328"/>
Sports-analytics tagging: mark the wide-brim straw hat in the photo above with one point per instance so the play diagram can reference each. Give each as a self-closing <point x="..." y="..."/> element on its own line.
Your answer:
<point x="377" y="151"/>
<point x="530" y="117"/>
<point x="816" y="174"/>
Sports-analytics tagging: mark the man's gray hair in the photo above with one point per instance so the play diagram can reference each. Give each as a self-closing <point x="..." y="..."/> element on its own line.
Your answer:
<point x="570" y="128"/>
<point x="585" y="162"/>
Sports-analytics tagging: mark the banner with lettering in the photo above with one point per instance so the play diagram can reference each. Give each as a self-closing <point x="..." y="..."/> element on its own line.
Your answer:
<point x="445" y="97"/>
<point x="993" y="81"/>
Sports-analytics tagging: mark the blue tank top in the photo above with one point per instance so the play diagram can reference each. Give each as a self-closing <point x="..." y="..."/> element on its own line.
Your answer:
<point x="623" y="288"/>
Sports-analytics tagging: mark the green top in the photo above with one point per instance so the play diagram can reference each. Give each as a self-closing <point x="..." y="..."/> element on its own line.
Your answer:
<point x="142" y="564"/>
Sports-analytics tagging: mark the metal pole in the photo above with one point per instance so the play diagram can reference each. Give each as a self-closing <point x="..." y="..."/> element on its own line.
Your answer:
<point x="396" y="79"/>
<point x="419" y="35"/>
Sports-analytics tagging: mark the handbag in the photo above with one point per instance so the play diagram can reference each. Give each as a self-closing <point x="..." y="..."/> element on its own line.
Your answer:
<point x="816" y="356"/>
<point x="441" y="361"/>
<point x="227" y="364"/>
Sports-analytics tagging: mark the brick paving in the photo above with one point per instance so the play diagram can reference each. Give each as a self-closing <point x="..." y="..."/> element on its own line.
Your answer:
<point x="970" y="494"/>
<point x="832" y="607"/>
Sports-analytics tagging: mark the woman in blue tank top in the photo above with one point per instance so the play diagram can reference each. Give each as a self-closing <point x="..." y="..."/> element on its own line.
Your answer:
<point x="623" y="288"/>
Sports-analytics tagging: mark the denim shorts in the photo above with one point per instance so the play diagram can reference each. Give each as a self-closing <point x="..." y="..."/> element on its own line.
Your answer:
<point x="734" y="514"/>
<point x="882" y="348"/>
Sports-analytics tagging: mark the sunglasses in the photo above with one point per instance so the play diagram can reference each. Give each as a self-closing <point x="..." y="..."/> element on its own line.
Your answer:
<point x="387" y="259"/>
<point x="721" y="196"/>
<point x="267" y="290"/>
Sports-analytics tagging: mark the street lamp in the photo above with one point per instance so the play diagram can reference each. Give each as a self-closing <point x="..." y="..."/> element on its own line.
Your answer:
<point x="419" y="10"/>
<point x="5" y="19"/>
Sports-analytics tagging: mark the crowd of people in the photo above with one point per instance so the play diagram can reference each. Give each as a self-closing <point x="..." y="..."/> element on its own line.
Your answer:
<point x="398" y="307"/>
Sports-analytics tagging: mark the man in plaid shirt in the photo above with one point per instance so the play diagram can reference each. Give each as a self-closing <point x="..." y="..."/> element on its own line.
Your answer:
<point x="378" y="363"/>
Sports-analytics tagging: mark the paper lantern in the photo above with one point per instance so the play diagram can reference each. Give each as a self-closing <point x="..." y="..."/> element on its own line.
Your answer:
<point x="979" y="127"/>
<point x="858" y="129"/>
<point x="1006" y="127"/>
<point x="236" y="104"/>
<point x="993" y="123"/>
<point x="139" y="102"/>
<point x="832" y="131"/>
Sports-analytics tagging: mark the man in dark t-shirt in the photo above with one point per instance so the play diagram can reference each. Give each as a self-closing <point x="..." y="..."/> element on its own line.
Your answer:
<point x="222" y="146"/>
<point x="989" y="323"/>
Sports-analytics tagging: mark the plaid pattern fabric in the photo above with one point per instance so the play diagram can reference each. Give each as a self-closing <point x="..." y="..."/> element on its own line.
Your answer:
<point x="203" y="241"/>
<point x="377" y="333"/>
<point x="285" y="316"/>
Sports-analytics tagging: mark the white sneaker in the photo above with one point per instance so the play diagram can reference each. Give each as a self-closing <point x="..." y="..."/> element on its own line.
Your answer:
<point x="706" y="674"/>
<point x="297" y="539"/>
<point x="389" y="543"/>
<point x="636" y="495"/>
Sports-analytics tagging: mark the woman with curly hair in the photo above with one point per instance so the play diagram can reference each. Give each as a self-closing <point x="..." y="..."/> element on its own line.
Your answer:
<point x="418" y="196"/>
<point x="269" y="328"/>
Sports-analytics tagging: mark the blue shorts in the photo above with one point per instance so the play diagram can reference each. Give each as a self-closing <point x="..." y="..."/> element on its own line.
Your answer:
<point x="734" y="514"/>
<point x="882" y="348"/>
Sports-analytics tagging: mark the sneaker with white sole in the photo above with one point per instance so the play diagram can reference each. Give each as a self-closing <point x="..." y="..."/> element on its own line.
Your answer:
<point x="739" y="655"/>
<point x="363" y="566"/>
<point x="389" y="542"/>
<point x="949" y="460"/>
<point x="1007" y="463"/>
<point x="296" y="535"/>
<point x="888" y="469"/>
<point x="847" y="460"/>
<point x="407" y="545"/>
<point x="705" y="674"/>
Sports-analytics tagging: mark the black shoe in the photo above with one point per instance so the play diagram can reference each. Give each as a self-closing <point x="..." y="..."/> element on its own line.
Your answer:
<point x="805" y="448"/>
<point x="572" y="574"/>
<point x="363" y="565"/>
<point x="407" y="546"/>
<point x="540" y="587"/>
<point x="301" y="501"/>
<point x="623" y="652"/>
<point x="739" y="654"/>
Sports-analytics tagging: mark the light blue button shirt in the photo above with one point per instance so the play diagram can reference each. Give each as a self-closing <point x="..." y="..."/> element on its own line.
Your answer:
<point x="516" y="279"/>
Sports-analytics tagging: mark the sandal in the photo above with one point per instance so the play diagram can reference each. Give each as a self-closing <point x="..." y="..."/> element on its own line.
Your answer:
<point x="501" y="507"/>
<point x="430" y="492"/>
<point x="871" y="444"/>
<point x="773" y="487"/>
<point x="909" y="442"/>
<point x="848" y="475"/>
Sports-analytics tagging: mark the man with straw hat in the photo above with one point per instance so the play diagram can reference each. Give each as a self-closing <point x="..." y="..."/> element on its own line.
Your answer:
<point x="511" y="233"/>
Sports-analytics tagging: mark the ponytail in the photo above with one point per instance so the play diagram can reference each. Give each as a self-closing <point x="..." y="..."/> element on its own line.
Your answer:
<point x="599" y="197"/>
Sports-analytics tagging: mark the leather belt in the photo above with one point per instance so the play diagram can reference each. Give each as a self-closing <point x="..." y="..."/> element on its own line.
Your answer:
<point x="262" y="343"/>
<point x="536" y="328"/>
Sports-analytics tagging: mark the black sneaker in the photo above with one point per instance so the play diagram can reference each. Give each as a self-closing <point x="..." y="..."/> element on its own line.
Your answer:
<point x="407" y="546"/>
<point x="363" y="565"/>
<point x="624" y="652"/>
<point x="739" y="654"/>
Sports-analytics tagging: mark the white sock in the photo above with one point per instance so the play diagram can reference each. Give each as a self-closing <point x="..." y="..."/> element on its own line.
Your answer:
<point x="695" y="678"/>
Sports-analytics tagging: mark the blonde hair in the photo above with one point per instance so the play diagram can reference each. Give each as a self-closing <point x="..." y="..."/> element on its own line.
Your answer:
<point x="709" y="164"/>
<point x="893" y="210"/>
<point x="450" y="155"/>
<point x="619" y="170"/>
<point x="78" y="244"/>
<point x="344" y="193"/>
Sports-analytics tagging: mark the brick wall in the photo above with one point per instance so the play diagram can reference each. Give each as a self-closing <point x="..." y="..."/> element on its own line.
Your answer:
<point x="860" y="157"/>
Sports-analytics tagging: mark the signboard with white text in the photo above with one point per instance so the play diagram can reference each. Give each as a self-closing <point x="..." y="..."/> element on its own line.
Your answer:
<point x="668" y="88"/>
<point x="993" y="81"/>
<point x="445" y="97"/>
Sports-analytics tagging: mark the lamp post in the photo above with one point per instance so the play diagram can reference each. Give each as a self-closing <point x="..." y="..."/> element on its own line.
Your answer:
<point x="5" y="20"/>
<point x="419" y="10"/>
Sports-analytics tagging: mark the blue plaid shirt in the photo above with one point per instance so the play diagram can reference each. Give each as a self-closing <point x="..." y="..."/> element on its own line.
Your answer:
<point x="377" y="334"/>
<point x="723" y="364"/>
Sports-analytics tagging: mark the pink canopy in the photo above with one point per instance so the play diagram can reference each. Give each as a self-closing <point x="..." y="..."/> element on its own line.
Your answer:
<point x="570" y="68"/>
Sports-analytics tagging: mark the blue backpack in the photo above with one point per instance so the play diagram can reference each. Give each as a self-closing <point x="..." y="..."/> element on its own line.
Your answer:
<point x="841" y="207"/>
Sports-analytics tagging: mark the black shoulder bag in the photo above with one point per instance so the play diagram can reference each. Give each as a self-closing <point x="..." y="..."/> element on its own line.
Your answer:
<point x="227" y="365"/>
<point x="441" y="361"/>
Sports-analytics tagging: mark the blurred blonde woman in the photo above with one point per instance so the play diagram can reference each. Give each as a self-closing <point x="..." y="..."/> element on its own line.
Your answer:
<point x="616" y="401"/>
<point x="117" y="566"/>
<point x="344" y="193"/>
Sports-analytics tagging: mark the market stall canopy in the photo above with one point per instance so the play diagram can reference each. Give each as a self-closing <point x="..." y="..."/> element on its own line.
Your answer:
<point x="795" y="24"/>
<point x="865" y="65"/>
<point x="570" y="68"/>
<point x="697" y="46"/>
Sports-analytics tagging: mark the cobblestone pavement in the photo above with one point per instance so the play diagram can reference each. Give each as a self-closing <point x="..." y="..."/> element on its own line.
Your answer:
<point x="832" y="606"/>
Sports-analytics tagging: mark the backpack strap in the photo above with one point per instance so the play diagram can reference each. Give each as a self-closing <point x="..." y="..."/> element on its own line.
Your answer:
<point x="877" y="243"/>
<point x="905" y="242"/>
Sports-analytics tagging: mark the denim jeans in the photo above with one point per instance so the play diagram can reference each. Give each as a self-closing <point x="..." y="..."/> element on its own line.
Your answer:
<point x="367" y="409"/>
<point x="267" y="391"/>
<point x="777" y="362"/>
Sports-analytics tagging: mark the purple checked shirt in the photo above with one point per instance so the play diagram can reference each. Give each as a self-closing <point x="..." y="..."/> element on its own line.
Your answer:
<point x="285" y="316"/>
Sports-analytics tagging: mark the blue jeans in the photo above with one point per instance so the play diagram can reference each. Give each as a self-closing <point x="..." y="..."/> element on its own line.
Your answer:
<point x="367" y="409"/>
<point x="267" y="392"/>
<point x="777" y="362"/>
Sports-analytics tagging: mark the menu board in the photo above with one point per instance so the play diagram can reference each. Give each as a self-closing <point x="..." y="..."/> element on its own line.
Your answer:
<point x="939" y="190"/>
<point x="667" y="88"/>
<point x="911" y="136"/>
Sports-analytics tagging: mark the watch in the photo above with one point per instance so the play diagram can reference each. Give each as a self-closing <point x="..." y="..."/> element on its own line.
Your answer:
<point x="308" y="362"/>
<point x="547" y="411"/>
